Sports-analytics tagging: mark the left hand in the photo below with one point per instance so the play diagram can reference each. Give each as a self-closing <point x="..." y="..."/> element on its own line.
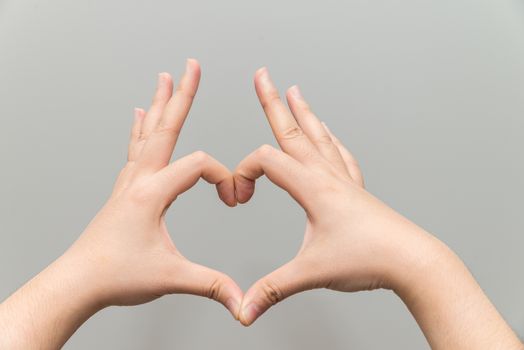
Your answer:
<point x="131" y="255"/>
<point x="125" y="256"/>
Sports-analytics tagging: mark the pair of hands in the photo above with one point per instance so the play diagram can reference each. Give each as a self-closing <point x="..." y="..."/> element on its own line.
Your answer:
<point x="352" y="240"/>
<point x="346" y="246"/>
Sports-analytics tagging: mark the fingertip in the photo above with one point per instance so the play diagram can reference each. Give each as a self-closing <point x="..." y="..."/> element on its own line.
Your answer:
<point x="243" y="322"/>
<point x="139" y="113"/>
<point x="249" y="314"/>
<point x="226" y="193"/>
<point x="164" y="77"/>
<point x="230" y="201"/>
<point x="192" y="66"/>
<point x="294" y="91"/>
<point x="244" y="188"/>
<point x="192" y="61"/>
<point x="245" y="199"/>
<point x="262" y="77"/>
<point x="164" y="83"/>
<point x="261" y="71"/>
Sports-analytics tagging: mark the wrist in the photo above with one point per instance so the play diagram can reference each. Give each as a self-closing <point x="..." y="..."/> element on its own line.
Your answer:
<point x="50" y="307"/>
<point x="74" y="276"/>
<point x="445" y="299"/>
<point x="415" y="258"/>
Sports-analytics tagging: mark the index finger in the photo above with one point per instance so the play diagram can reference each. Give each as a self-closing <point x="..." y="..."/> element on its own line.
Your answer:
<point x="159" y="147"/>
<point x="288" y="133"/>
<point x="281" y="169"/>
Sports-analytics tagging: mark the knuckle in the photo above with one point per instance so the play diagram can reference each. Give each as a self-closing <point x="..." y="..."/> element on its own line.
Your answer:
<point x="140" y="136"/>
<point x="324" y="139"/>
<point x="265" y="151"/>
<point x="271" y="292"/>
<point x="141" y="194"/>
<point x="165" y="129"/>
<point x="180" y="90"/>
<point x="200" y="158"/>
<point x="271" y="99"/>
<point x="214" y="289"/>
<point x="292" y="133"/>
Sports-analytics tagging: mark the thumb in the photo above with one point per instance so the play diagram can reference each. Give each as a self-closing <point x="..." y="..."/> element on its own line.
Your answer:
<point x="289" y="279"/>
<point x="184" y="173"/>
<point x="201" y="280"/>
<point x="279" y="167"/>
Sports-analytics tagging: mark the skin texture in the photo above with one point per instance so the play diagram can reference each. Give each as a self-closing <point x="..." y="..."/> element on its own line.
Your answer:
<point x="353" y="241"/>
<point x="126" y="256"/>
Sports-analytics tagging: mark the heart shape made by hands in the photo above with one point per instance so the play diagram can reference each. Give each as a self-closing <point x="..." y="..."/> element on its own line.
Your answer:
<point x="312" y="166"/>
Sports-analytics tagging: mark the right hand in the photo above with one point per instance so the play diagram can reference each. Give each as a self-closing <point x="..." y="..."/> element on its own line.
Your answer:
<point x="352" y="240"/>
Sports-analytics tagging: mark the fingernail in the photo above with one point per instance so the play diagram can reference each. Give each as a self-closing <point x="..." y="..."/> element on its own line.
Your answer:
<point x="232" y="306"/>
<point x="188" y="65"/>
<point x="137" y="113"/>
<point x="250" y="313"/>
<point x="161" y="79"/>
<point x="295" y="91"/>
<point x="263" y="73"/>
<point x="262" y="70"/>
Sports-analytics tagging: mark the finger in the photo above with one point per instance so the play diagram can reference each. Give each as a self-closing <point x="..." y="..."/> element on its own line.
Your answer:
<point x="314" y="130"/>
<point x="350" y="161"/>
<point x="136" y="132"/>
<point x="280" y="168"/>
<point x="289" y="279"/>
<point x="199" y="280"/>
<point x="160" y="145"/>
<point x="289" y="135"/>
<point x="178" y="107"/>
<point x="163" y="93"/>
<point x="184" y="173"/>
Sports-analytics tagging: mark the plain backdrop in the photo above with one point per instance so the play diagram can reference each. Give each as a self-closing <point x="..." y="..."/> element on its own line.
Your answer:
<point x="429" y="96"/>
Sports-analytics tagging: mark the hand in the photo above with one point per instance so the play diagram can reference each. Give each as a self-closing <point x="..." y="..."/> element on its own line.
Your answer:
<point x="347" y="246"/>
<point x="355" y="242"/>
<point x="126" y="256"/>
<point x="128" y="243"/>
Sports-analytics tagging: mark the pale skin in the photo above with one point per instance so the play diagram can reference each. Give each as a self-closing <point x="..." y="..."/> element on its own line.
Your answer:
<point x="126" y="255"/>
<point x="352" y="242"/>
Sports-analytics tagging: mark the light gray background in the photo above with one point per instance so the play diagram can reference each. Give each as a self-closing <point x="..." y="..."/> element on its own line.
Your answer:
<point x="429" y="95"/>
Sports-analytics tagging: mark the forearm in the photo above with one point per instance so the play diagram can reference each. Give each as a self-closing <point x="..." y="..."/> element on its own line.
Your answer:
<point x="48" y="309"/>
<point x="447" y="302"/>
